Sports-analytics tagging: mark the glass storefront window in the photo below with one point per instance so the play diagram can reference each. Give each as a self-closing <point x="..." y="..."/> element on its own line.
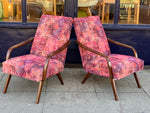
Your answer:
<point x="103" y="8"/>
<point x="134" y="12"/>
<point x="35" y="8"/>
<point x="10" y="10"/>
<point x="144" y="16"/>
<point x="129" y="11"/>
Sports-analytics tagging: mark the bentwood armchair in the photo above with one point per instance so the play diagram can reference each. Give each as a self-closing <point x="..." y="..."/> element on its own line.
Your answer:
<point x="96" y="56"/>
<point x="47" y="55"/>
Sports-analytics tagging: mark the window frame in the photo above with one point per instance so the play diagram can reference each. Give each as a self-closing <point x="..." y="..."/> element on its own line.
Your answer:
<point x="71" y="9"/>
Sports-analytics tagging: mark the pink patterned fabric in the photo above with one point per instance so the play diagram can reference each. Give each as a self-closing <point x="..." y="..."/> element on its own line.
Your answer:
<point x="122" y="65"/>
<point x="52" y="33"/>
<point x="90" y="32"/>
<point x="31" y="67"/>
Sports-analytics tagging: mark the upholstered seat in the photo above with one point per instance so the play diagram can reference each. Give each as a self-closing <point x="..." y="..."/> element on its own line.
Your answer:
<point x="31" y="67"/>
<point x="122" y="65"/>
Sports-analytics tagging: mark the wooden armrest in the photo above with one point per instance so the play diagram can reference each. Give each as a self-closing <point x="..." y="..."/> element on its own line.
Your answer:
<point x="98" y="53"/>
<point x="50" y="56"/>
<point x="124" y="45"/>
<point x="60" y="49"/>
<point x="16" y="46"/>
<point x="91" y="50"/>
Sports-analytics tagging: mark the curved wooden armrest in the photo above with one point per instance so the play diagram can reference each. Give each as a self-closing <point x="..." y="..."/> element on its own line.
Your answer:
<point x="98" y="53"/>
<point x="52" y="54"/>
<point x="124" y="45"/>
<point x="18" y="45"/>
<point x="91" y="50"/>
<point x="60" y="49"/>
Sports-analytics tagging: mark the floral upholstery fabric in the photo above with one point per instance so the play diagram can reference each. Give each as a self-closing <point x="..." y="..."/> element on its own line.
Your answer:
<point x="90" y="32"/>
<point x="31" y="67"/>
<point x="122" y="65"/>
<point x="52" y="33"/>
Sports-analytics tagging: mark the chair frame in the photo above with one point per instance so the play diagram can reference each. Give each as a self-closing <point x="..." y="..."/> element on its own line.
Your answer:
<point x="109" y="64"/>
<point x="45" y="66"/>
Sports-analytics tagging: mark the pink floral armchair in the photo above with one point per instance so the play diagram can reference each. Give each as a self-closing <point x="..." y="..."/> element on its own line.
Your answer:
<point x="47" y="55"/>
<point x="96" y="56"/>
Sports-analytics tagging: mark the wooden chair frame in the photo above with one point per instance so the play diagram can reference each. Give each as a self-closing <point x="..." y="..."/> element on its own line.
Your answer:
<point x="45" y="66"/>
<point x="109" y="64"/>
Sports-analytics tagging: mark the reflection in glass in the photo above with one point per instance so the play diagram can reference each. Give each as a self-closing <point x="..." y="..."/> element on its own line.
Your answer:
<point x="35" y="8"/>
<point x="144" y="16"/>
<point x="10" y="10"/>
<point x="103" y="8"/>
<point x="129" y="11"/>
<point x="134" y="12"/>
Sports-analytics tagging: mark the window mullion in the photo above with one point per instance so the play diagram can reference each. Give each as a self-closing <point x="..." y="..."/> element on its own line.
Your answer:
<point x="24" y="11"/>
<point x="117" y="9"/>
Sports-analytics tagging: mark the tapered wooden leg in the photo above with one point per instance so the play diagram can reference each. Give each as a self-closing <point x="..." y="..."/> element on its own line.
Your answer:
<point x="89" y="11"/>
<point x="136" y="79"/>
<point x="39" y="91"/>
<point x="103" y="13"/>
<point x="108" y="8"/>
<point x="60" y="78"/>
<point x="114" y="88"/>
<point x="7" y="83"/>
<point x="86" y="77"/>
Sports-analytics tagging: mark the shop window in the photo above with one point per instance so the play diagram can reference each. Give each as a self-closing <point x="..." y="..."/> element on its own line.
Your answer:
<point x="144" y="16"/>
<point x="103" y="8"/>
<point x="35" y="8"/>
<point x="134" y="12"/>
<point x="129" y="11"/>
<point x="10" y="10"/>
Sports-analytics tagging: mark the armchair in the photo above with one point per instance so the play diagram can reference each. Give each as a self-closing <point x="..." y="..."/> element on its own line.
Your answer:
<point x="47" y="55"/>
<point x="96" y="55"/>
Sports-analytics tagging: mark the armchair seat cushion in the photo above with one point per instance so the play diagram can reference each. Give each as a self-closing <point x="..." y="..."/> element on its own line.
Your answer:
<point x="122" y="65"/>
<point x="31" y="67"/>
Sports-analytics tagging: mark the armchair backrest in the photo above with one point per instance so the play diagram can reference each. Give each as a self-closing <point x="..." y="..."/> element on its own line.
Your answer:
<point x="51" y="34"/>
<point x="90" y="32"/>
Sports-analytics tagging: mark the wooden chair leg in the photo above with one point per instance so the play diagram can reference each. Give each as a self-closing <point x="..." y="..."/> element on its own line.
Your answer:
<point x="89" y="11"/>
<point x="136" y="79"/>
<point x="114" y="88"/>
<point x="108" y="8"/>
<point x="129" y="15"/>
<point x="103" y="13"/>
<point x="99" y="10"/>
<point x="7" y="83"/>
<point x="39" y="91"/>
<point x="60" y="78"/>
<point x="86" y="77"/>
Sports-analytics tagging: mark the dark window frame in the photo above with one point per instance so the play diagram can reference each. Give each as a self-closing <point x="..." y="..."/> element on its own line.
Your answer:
<point x="71" y="9"/>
